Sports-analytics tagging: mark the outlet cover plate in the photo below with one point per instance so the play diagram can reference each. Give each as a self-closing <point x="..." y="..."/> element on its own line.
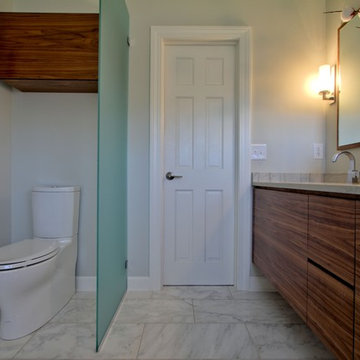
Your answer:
<point x="258" y="151"/>
<point x="318" y="151"/>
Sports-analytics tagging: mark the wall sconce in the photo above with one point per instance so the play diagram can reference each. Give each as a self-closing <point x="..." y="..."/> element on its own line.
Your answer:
<point x="327" y="82"/>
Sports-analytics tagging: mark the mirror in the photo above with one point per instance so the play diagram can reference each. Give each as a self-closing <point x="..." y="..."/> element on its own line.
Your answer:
<point x="348" y="85"/>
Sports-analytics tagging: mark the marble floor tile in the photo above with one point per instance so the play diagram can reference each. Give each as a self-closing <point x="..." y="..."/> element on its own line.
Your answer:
<point x="61" y="341"/>
<point x="290" y="342"/>
<point x="232" y="311"/>
<point x="78" y="310"/>
<point x="123" y="342"/>
<point x="84" y="295"/>
<point x="155" y="311"/>
<point x="136" y="295"/>
<point x="193" y="292"/>
<point x="230" y="324"/>
<point x="254" y="295"/>
<point x="9" y="348"/>
<point x="197" y="341"/>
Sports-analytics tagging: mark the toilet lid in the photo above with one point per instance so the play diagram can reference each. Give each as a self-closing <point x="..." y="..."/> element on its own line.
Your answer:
<point x="27" y="252"/>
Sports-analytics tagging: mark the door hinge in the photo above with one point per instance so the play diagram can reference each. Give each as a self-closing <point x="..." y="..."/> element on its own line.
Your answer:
<point x="126" y="264"/>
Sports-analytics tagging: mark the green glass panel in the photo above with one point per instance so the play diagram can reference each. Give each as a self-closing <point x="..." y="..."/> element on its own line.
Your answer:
<point x="112" y="155"/>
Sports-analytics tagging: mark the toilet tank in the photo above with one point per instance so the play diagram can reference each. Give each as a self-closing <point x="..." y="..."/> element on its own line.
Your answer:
<point x="55" y="211"/>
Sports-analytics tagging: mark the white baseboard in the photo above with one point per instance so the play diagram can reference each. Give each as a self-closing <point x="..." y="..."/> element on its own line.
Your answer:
<point x="137" y="283"/>
<point x="86" y="283"/>
<point x="260" y="283"/>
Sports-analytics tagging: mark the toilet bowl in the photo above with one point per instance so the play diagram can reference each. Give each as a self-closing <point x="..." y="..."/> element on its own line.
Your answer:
<point x="37" y="276"/>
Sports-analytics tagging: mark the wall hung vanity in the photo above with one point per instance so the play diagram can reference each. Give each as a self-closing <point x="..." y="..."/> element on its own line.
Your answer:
<point x="306" y="241"/>
<point x="49" y="52"/>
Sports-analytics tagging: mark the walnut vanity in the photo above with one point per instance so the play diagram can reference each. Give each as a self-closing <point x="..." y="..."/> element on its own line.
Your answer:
<point x="306" y="241"/>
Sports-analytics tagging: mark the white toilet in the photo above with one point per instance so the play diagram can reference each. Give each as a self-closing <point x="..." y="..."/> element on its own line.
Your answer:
<point x="37" y="276"/>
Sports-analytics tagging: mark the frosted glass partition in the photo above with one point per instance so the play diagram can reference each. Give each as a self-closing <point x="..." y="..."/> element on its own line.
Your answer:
<point x="112" y="154"/>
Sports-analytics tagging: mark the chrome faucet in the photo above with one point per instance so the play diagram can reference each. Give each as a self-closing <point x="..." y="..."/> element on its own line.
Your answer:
<point x="352" y="172"/>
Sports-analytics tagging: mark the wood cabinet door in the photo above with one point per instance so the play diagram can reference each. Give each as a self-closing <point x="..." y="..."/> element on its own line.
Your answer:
<point x="279" y="243"/>
<point x="331" y="238"/>
<point x="331" y="311"/>
<point x="357" y="286"/>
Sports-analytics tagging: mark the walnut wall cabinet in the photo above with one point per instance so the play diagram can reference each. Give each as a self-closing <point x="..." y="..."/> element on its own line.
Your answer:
<point x="308" y="245"/>
<point x="49" y="52"/>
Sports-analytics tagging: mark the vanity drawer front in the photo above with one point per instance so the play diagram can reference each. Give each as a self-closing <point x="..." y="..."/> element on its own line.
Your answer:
<point x="331" y="311"/>
<point x="279" y="243"/>
<point x="357" y="285"/>
<point x="331" y="240"/>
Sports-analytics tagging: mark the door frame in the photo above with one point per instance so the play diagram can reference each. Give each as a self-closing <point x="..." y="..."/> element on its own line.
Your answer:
<point x="240" y="37"/>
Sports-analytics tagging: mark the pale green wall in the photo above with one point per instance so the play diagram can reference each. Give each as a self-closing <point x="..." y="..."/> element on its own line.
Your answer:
<point x="87" y="6"/>
<point x="288" y="46"/>
<point x="5" y="158"/>
<point x="5" y="164"/>
<point x="6" y="5"/>
<point x="54" y="141"/>
<point x="332" y="24"/>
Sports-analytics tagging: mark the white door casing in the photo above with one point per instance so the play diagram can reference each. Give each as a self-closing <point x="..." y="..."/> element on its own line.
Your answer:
<point x="161" y="36"/>
<point x="199" y="146"/>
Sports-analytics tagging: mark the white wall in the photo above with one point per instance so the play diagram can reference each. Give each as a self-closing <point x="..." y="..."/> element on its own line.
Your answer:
<point x="332" y="24"/>
<point x="54" y="141"/>
<point x="5" y="163"/>
<point x="288" y="46"/>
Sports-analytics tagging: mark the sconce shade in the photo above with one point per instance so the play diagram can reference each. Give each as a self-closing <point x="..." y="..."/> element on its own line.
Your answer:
<point x="326" y="82"/>
<point x="325" y="78"/>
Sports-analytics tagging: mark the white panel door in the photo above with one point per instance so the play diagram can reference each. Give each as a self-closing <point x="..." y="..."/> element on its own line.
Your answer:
<point x="199" y="146"/>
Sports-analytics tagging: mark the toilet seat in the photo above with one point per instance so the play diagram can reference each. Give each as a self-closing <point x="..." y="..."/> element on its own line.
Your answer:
<point x="27" y="252"/>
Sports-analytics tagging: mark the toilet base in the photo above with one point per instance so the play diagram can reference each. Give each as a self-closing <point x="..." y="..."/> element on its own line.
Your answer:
<point x="35" y="294"/>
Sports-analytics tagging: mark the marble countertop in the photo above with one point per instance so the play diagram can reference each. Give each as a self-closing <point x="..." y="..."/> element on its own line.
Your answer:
<point x="342" y="188"/>
<point x="333" y="183"/>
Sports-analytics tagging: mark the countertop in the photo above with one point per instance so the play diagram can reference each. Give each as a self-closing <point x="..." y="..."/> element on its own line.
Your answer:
<point x="340" y="188"/>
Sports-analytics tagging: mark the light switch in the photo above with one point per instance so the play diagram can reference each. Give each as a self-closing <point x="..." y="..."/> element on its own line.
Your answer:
<point x="258" y="152"/>
<point x="318" y="151"/>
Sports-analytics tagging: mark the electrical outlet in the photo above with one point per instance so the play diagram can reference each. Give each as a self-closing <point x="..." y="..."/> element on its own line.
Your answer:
<point x="318" y="151"/>
<point x="258" y="151"/>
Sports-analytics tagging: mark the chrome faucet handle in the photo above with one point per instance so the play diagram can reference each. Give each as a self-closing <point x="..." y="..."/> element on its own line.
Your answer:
<point x="355" y="176"/>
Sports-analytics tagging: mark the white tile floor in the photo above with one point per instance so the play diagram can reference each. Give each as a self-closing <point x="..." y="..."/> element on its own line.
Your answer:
<point x="176" y="323"/>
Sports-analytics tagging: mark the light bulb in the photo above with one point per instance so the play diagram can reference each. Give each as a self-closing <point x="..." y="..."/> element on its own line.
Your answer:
<point x="347" y="14"/>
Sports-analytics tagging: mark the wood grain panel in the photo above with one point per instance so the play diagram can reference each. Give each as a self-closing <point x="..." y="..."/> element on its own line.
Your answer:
<point x="331" y="312"/>
<point x="279" y="243"/>
<point x="357" y="286"/>
<point x="331" y="240"/>
<point x="49" y="46"/>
